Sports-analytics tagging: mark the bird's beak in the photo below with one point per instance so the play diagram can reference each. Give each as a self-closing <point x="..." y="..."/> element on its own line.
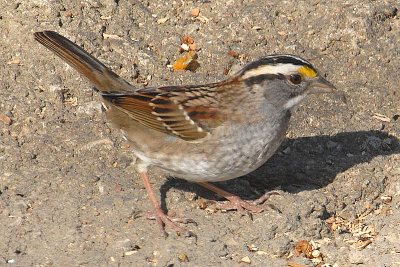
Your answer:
<point x="320" y="85"/>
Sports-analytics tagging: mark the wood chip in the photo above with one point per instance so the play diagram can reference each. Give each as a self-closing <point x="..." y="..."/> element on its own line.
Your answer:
<point x="105" y="17"/>
<point x="293" y="264"/>
<point x="203" y="19"/>
<point x="14" y="62"/>
<point x="111" y="36"/>
<point x="129" y="253"/>
<point x="163" y="20"/>
<point x="381" y="117"/>
<point x="245" y="259"/>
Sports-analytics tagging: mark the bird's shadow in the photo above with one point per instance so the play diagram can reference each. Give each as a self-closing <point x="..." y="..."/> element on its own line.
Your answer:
<point x="303" y="163"/>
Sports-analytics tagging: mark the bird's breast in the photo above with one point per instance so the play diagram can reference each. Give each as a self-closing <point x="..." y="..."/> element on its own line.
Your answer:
<point x="228" y="152"/>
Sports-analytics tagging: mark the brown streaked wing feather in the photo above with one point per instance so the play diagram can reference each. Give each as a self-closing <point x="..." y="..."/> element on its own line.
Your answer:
<point x="175" y="118"/>
<point x="187" y="112"/>
<point x="137" y="106"/>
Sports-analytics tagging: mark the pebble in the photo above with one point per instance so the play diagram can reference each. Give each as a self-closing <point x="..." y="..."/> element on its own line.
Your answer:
<point x="194" y="12"/>
<point x="5" y="119"/>
<point x="124" y="245"/>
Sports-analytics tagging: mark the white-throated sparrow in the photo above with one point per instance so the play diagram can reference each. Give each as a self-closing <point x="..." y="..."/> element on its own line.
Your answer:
<point x="201" y="133"/>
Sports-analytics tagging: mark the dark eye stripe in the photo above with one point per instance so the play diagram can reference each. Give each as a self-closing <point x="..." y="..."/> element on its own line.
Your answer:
<point x="263" y="77"/>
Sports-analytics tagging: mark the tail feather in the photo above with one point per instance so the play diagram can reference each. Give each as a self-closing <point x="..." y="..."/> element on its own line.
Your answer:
<point x="97" y="73"/>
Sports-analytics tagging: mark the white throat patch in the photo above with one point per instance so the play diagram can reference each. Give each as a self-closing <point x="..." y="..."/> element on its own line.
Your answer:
<point x="294" y="101"/>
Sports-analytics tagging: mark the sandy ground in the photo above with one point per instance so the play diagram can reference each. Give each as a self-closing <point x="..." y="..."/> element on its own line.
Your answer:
<point x="69" y="194"/>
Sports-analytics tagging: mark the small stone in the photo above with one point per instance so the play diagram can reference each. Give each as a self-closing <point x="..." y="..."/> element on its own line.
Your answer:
<point x="194" y="12"/>
<point x="124" y="245"/>
<point x="5" y="119"/>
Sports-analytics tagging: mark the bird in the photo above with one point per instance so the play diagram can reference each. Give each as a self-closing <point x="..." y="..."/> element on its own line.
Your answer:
<point x="201" y="133"/>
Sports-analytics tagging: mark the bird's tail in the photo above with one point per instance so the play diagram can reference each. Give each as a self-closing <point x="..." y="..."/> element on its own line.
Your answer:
<point x="102" y="78"/>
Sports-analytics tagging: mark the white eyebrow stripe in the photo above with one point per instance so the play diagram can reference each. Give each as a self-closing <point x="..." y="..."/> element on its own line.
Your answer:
<point x="271" y="69"/>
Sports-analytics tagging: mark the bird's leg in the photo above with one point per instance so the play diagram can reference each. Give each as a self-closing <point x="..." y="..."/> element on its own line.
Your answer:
<point x="161" y="218"/>
<point x="236" y="203"/>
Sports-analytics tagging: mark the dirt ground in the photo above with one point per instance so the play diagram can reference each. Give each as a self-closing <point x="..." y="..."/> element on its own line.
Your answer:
<point x="69" y="194"/>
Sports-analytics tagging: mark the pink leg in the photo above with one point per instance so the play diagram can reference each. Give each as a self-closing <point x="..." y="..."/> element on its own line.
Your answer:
<point x="161" y="218"/>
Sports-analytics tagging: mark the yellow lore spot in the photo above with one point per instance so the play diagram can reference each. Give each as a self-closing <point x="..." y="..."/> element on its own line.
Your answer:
<point x="307" y="71"/>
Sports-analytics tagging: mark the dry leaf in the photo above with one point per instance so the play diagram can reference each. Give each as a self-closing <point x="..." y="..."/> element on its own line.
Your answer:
<point x="233" y="54"/>
<point x="187" y="40"/>
<point x="183" y="258"/>
<point x="293" y="264"/>
<point x="304" y="247"/>
<point x="186" y="61"/>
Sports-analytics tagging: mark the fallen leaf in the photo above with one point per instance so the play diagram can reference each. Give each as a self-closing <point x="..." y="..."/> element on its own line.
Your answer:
<point x="233" y="54"/>
<point x="183" y="258"/>
<point x="187" y="40"/>
<point x="186" y="61"/>
<point x="304" y="247"/>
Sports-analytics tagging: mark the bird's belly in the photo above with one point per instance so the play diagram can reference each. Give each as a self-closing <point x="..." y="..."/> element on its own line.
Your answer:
<point x="227" y="157"/>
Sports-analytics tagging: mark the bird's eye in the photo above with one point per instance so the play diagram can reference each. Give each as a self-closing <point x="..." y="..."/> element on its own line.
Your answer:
<point x="295" y="78"/>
